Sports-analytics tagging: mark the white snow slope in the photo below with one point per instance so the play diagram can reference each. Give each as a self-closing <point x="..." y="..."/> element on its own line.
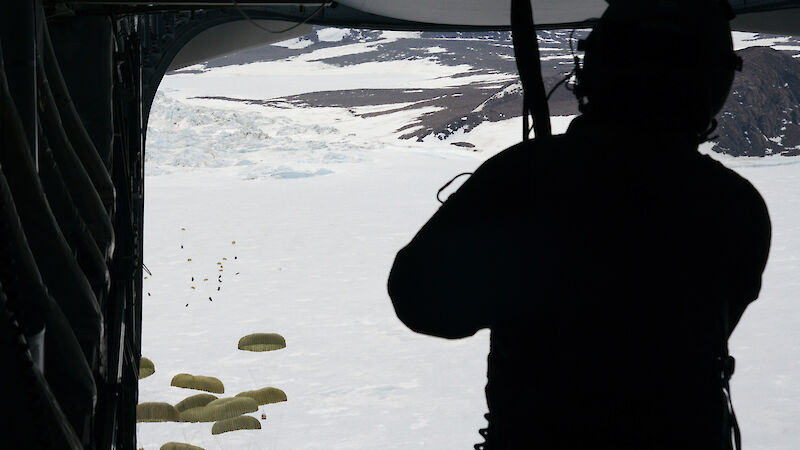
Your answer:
<point x="318" y="201"/>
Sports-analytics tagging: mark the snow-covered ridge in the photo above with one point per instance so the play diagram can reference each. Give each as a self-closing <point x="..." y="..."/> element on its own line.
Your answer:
<point x="477" y="67"/>
<point x="515" y="88"/>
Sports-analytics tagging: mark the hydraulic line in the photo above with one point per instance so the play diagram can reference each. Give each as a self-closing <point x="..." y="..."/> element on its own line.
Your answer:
<point x="38" y="421"/>
<point x="77" y="180"/>
<point x="27" y="296"/>
<point x="55" y="261"/>
<point x="75" y="130"/>
<point x="63" y="365"/>
<point x="88" y="255"/>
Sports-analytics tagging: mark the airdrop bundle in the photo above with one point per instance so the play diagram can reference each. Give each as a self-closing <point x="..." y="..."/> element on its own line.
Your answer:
<point x="227" y="413"/>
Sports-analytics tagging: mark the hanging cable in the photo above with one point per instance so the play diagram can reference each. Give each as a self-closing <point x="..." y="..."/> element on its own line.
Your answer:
<point x="526" y="51"/>
<point x="572" y="73"/>
<point x="255" y="24"/>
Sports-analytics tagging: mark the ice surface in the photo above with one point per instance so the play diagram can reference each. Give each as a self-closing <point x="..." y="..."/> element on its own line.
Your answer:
<point x="332" y="34"/>
<point x="742" y="40"/>
<point x="251" y="140"/>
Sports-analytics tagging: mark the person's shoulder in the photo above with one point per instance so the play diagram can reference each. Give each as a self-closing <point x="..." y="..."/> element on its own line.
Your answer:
<point x="742" y="196"/>
<point x="511" y="172"/>
<point x="732" y="181"/>
<point x="525" y="155"/>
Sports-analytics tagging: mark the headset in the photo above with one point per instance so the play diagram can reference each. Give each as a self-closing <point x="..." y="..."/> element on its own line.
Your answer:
<point x="684" y="36"/>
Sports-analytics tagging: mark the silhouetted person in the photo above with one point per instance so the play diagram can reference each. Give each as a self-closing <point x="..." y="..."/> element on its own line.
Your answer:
<point x="612" y="262"/>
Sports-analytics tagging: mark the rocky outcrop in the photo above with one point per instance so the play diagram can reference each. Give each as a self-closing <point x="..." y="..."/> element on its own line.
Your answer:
<point x="762" y="115"/>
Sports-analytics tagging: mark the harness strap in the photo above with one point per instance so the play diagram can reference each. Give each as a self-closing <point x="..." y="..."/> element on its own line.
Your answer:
<point x="526" y="52"/>
<point x="731" y="434"/>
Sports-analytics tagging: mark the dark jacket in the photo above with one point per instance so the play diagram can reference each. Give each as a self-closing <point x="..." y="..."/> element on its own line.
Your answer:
<point x="610" y="269"/>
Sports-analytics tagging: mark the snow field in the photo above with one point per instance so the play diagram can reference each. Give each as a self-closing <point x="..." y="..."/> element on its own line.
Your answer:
<point x="318" y="202"/>
<point x="312" y="255"/>
<point x="766" y="344"/>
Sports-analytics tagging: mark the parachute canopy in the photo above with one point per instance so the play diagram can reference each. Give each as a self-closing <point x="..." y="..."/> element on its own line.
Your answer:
<point x="156" y="412"/>
<point x="198" y="382"/>
<point x="195" y="401"/>
<point x="146" y="368"/>
<point x="236" y="423"/>
<point x="221" y="409"/>
<point x="265" y="396"/>
<point x="179" y="446"/>
<point x="262" y="342"/>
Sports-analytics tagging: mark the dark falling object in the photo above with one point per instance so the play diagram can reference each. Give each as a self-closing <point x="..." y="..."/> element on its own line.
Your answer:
<point x="148" y="294"/>
<point x="209" y="299"/>
<point x="187" y="304"/>
<point x="218" y="288"/>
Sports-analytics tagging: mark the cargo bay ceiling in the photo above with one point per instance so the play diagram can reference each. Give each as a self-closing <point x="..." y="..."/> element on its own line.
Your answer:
<point x="766" y="16"/>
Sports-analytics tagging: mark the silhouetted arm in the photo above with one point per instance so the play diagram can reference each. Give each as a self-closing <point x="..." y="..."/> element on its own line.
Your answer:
<point x="469" y="260"/>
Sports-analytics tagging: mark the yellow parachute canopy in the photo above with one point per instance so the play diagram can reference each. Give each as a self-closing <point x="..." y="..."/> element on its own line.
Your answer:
<point x="200" y="383"/>
<point x="262" y="342"/>
<point x="146" y="368"/>
<point x="221" y="409"/>
<point x="156" y="412"/>
<point x="180" y="446"/>
<point x="265" y="395"/>
<point x="195" y="401"/>
<point x="236" y="423"/>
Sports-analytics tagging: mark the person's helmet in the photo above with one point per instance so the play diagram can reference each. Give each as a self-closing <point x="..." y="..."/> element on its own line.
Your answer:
<point x="659" y="60"/>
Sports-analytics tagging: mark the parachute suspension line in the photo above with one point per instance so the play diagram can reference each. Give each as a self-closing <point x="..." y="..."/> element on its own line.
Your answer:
<point x="526" y="51"/>
<point x="301" y="23"/>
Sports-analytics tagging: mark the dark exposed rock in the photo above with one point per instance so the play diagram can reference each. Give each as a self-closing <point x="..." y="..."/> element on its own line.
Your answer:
<point x="762" y="115"/>
<point x="463" y="144"/>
